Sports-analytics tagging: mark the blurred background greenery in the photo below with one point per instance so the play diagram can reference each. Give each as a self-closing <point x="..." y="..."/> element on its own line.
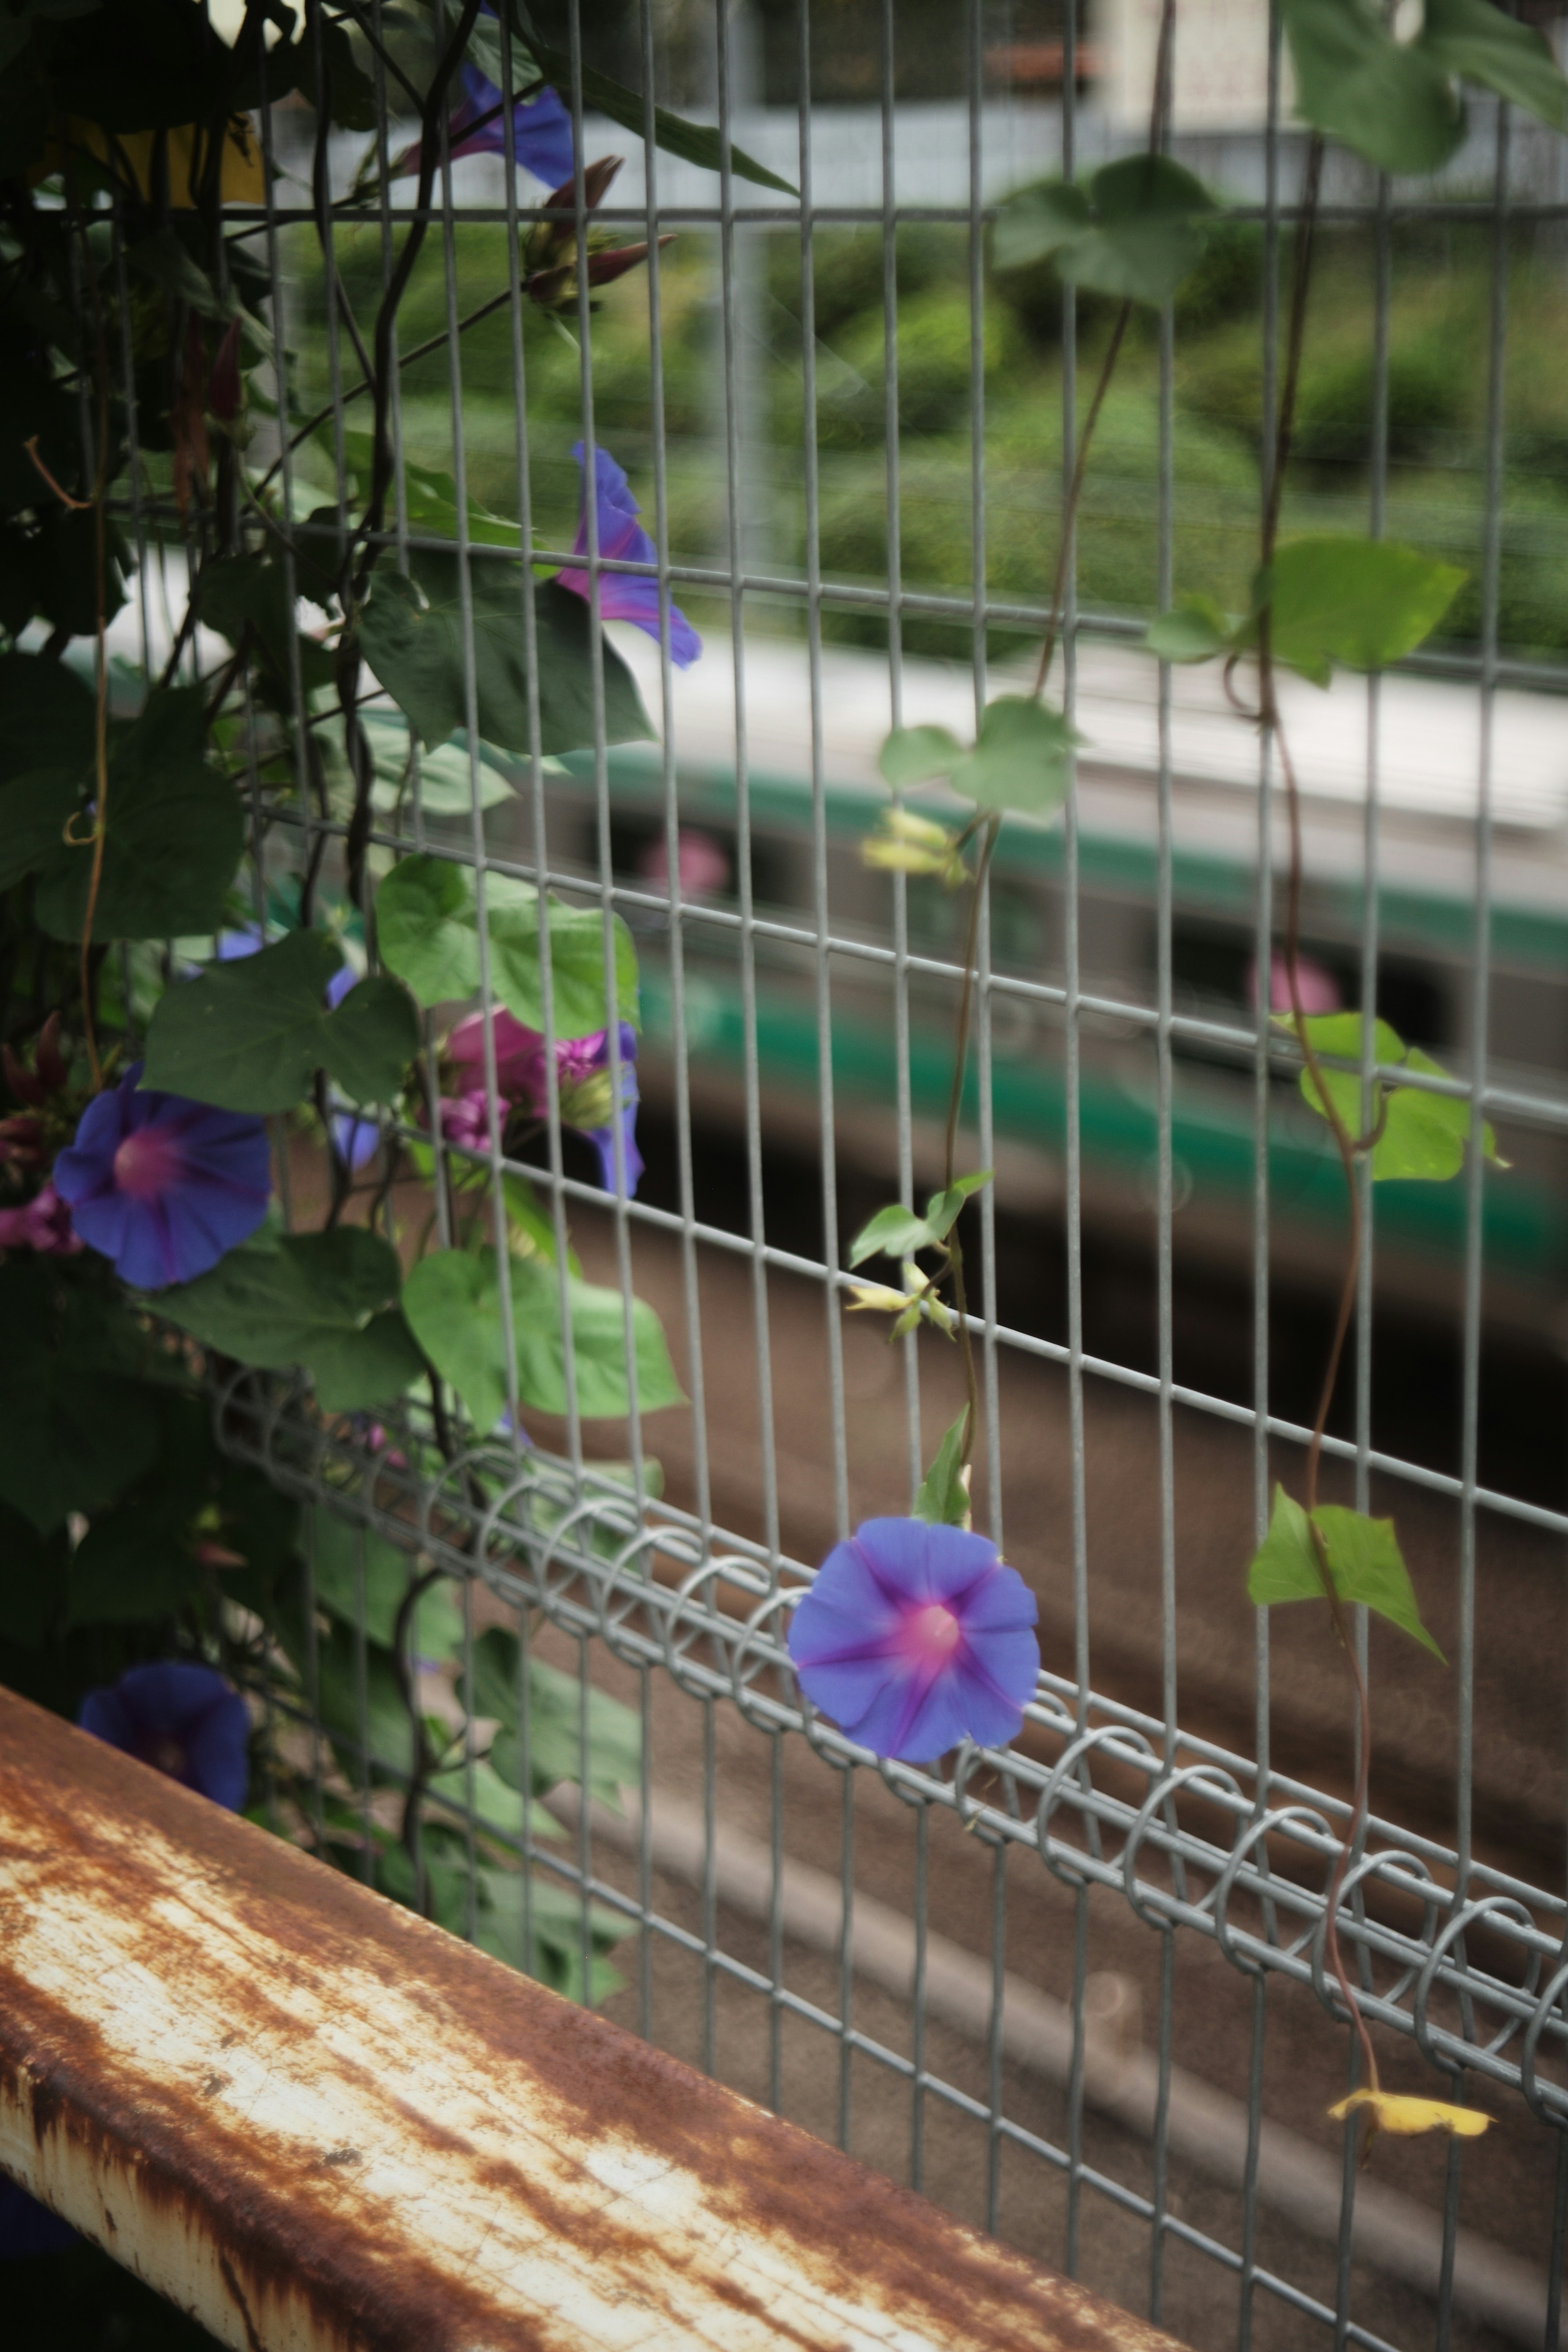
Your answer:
<point x="1437" y="405"/>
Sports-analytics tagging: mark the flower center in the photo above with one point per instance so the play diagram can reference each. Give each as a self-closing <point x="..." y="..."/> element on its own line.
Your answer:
<point x="145" y="1163"/>
<point x="164" y="1753"/>
<point x="931" y="1634"/>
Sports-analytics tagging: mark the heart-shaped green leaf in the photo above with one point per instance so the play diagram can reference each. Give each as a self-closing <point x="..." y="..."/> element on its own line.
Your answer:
<point x="1021" y="760"/>
<point x="429" y="933"/>
<point x="1390" y="101"/>
<point x="1132" y="231"/>
<point x="1362" y="602"/>
<point x="251" y="1034"/>
<point x="325" y="1301"/>
<point x="1479" y="44"/>
<point x="918" y="755"/>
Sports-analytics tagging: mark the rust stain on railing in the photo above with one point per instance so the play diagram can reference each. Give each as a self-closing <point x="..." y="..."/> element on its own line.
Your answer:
<point x="315" y="2121"/>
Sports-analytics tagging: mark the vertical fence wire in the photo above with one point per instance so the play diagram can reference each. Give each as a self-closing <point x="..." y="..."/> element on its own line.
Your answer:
<point x="751" y="573"/>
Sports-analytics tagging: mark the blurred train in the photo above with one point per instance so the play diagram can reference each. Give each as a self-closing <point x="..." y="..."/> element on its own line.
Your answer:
<point x="1425" y="736"/>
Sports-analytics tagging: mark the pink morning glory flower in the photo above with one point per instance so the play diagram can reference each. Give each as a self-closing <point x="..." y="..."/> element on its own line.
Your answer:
<point x="622" y="597"/>
<point x="582" y="1077"/>
<point x="914" y="1637"/>
<point x="162" y="1185"/>
<point x="44" y="1224"/>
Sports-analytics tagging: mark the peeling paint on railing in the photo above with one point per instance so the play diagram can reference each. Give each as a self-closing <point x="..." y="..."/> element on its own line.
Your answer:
<point x="320" y="2124"/>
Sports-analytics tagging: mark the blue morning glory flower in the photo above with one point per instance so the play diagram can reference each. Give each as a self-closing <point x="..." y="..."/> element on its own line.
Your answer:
<point x="28" y="2228"/>
<point x="914" y="1637"/>
<point x="622" y="597"/>
<point x="162" y="1185"/>
<point x="541" y="128"/>
<point x="187" y="1721"/>
<point x="183" y="1719"/>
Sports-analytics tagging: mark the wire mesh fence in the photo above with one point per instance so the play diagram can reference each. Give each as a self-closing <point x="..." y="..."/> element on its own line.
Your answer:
<point x="946" y="1967"/>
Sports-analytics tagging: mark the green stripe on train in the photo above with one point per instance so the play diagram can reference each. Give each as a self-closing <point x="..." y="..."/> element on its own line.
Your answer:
<point x="1525" y="1228"/>
<point x="1529" y="936"/>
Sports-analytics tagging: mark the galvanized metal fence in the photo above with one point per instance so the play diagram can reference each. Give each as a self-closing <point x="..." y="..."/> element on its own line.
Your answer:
<point x="1204" y="1841"/>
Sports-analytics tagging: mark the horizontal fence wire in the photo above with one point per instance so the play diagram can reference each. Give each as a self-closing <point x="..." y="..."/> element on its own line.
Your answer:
<point x="1456" y="1956"/>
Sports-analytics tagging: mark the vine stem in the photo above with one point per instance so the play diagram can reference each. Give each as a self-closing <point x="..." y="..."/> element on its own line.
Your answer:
<point x="99" y="502"/>
<point x="993" y="826"/>
<point x="1268" y="719"/>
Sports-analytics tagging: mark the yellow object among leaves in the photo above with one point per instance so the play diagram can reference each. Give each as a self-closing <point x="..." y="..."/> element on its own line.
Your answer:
<point x="243" y="179"/>
<point x="1405" y="2117"/>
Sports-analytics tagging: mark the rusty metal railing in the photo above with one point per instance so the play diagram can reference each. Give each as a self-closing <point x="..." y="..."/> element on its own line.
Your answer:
<point x="312" y="2120"/>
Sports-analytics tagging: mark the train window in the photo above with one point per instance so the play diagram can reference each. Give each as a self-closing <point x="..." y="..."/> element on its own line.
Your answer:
<point x="639" y="852"/>
<point x="938" y="918"/>
<point x="1213" y="972"/>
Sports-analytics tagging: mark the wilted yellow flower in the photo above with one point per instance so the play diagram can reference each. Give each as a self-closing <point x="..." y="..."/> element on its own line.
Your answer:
<point x="1403" y="2117"/>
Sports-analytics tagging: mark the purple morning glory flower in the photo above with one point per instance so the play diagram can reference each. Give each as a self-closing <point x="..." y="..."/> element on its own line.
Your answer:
<point x="621" y="537"/>
<point x="162" y="1185"/>
<point x="541" y="130"/>
<point x="914" y="1637"/>
<point x="582" y="1077"/>
<point x="183" y="1719"/>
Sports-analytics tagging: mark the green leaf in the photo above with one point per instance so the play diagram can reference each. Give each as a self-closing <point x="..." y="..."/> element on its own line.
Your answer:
<point x="351" y="93"/>
<point x="369" y="1040"/>
<point x="141" y="1559"/>
<point x="1132" y="231"/>
<point x="899" y="1233"/>
<point x="1193" y="630"/>
<point x="1021" y="758"/>
<point x="429" y="495"/>
<point x="453" y="1306"/>
<point x="942" y="1208"/>
<point x="74" y="1429"/>
<point x="1362" y="602"/>
<point x="48" y="719"/>
<point x="33" y="1572"/>
<point x="135" y="1564"/>
<point x="412" y="636"/>
<point x="65" y="572"/>
<point x="245" y="1035"/>
<point x="915" y="755"/>
<point x="34" y="814"/>
<point x="47" y="733"/>
<point x="1423" y="1135"/>
<point x="613" y="1760"/>
<point x="892" y="1233"/>
<point x="1390" y="101"/>
<point x="325" y="1301"/>
<point x="445" y="788"/>
<point x="552" y="1917"/>
<point x="238" y="591"/>
<point x="696" y="142"/>
<point x="176" y="835"/>
<point x="250" y="1034"/>
<point x="1365" y="1562"/>
<point x="1284" y="1567"/>
<point x="359" y="1578"/>
<point x="943" y="1497"/>
<point x="162" y="259"/>
<point x="1368" y="1567"/>
<point x="429" y="933"/>
<point x="452" y="1300"/>
<point x="1479" y="44"/>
